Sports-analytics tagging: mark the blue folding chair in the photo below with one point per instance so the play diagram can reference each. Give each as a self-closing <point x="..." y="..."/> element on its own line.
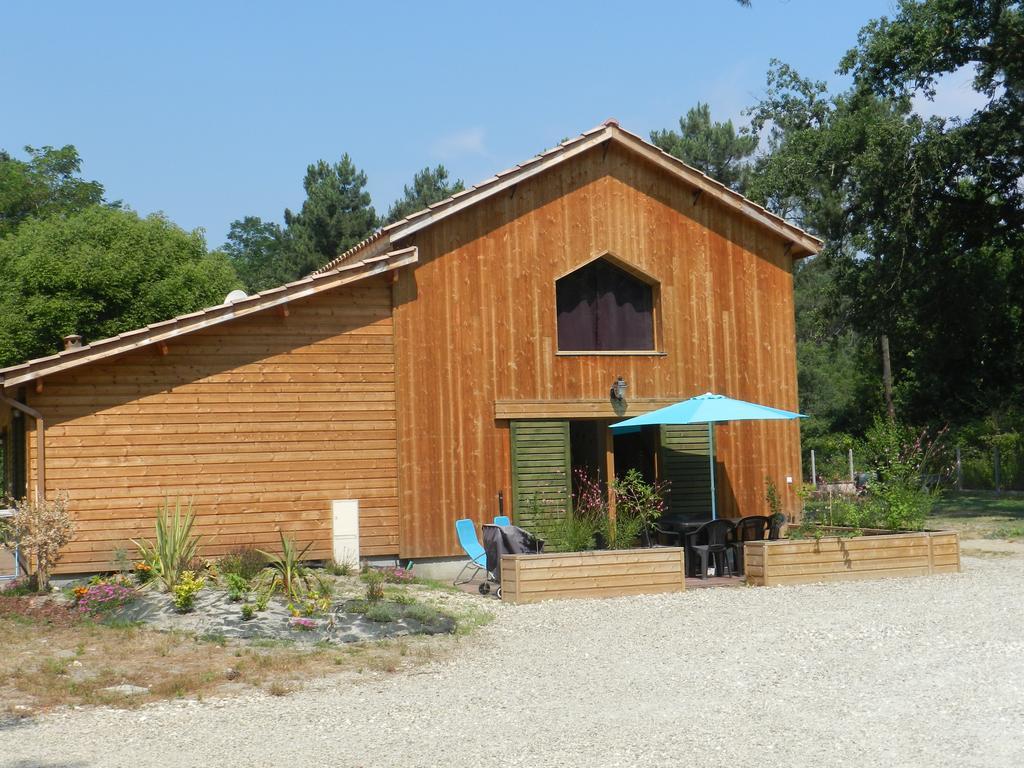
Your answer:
<point x="502" y="520"/>
<point x="474" y="550"/>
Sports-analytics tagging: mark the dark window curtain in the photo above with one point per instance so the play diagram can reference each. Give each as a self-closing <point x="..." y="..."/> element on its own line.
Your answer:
<point x="604" y="308"/>
<point x="577" y="307"/>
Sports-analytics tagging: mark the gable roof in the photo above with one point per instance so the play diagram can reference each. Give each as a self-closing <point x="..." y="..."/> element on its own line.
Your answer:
<point x="801" y="242"/>
<point x="318" y="282"/>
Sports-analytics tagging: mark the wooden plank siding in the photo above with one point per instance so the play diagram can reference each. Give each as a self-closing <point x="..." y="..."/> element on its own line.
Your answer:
<point x="789" y="561"/>
<point x="262" y="421"/>
<point x="475" y="325"/>
<point x="609" y="573"/>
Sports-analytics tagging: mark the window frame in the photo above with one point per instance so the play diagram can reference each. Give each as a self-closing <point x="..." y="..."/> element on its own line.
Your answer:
<point x="648" y="280"/>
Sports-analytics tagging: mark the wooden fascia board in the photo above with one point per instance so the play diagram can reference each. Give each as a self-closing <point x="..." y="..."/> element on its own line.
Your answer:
<point x="508" y="179"/>
<point x="214" y="316"/>
<point x="721" y="193"/>
<point x="602" y="408"/>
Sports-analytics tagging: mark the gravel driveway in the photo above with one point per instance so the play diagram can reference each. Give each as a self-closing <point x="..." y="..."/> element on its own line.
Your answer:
<point x="912" y="672"/>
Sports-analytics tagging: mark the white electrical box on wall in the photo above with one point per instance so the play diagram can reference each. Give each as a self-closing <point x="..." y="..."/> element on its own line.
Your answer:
<point x="345" y="530"/>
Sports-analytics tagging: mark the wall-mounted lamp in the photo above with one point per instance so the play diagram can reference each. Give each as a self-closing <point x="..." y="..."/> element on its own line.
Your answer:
<point x="619" y="389"/>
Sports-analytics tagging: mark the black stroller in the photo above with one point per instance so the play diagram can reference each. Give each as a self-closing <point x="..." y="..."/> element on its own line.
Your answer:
<point x="505" y="540"/>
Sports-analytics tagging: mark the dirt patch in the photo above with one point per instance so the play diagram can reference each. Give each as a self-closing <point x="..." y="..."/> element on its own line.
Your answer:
<point x="52" y="657"/>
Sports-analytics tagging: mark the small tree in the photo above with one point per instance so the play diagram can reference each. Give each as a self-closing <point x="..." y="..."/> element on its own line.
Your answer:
<point x="40" y="529"/>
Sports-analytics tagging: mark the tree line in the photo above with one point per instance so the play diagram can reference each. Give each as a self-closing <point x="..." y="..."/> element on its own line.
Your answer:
<point x="72" y="261"/>
<point x="914" y="308"/>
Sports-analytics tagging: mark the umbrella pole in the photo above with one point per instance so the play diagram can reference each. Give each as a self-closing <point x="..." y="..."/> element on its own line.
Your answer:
<point x="711" y="464"/>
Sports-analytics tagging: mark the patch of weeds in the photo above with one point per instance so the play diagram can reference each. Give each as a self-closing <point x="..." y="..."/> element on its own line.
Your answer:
<point x="471" y="619"/>
<point x="217" y="638"/>
<point x="335" y="568"/>
<point x="54" y="667"/>
<point x="399" y="596"/>
<point x="277" y="688"/>
<point x="440" y="586"/>
<point x="424" y="614"/>
<point x="1006" y="532"/>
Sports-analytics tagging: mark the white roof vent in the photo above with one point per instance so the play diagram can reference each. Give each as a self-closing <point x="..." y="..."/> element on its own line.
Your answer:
<point x="234" y="296"/>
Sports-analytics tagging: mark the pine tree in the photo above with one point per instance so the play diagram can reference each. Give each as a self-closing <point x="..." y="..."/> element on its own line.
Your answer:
<point x="714" y="148"/>
<point x="336" y="215"/>
<point x="429" y="186"/>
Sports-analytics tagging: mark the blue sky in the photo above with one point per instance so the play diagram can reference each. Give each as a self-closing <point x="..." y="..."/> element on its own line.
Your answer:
<point x="211" y="111"/>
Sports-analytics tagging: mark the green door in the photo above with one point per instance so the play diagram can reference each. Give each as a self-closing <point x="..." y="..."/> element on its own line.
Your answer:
<point x="541" y="473"/>
<point x="685" y="466"/>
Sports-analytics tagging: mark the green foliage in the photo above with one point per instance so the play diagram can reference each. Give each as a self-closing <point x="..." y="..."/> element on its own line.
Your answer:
<point x="286" y="572"/>
<point x="175" y="546"/>
<point x="100" y="272"/>
<point x="374" y="581"/>
<point x="185" y="590"/>
<point x="46" y="184"/>
<point x="336" y="215"/>
<point x="637" y="499"/>
<point x="259" y="251"/>
<point x="923" y="217"/>
<point x="238" y="587"/>
<point x="429" y="186"/>
<point x="246" y="562"/>
<point x="895" y="499"/>
<point x="574" y="533"/>
<point x="714" y="148"/>
<point x="335" y="568"/>
<point x="381" y="612"/>
<point x="248" y="612"/>
<point x="771" y="496"/>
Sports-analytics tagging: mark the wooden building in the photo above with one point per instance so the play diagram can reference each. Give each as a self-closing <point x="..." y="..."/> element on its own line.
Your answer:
<point x="457" y="363"/>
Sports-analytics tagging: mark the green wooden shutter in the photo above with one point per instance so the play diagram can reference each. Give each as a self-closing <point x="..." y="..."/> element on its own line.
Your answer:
<point x="684" y="464"/>
<point x="541" y="475"/>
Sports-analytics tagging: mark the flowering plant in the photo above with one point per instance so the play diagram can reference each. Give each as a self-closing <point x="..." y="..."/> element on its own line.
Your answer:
<point x="397" y="575"/>
<point x="303" y="624"/>
<point x="102" y="598"/>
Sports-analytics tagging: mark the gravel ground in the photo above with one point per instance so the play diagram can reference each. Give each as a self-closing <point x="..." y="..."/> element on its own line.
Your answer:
<point x="911" y="672"/>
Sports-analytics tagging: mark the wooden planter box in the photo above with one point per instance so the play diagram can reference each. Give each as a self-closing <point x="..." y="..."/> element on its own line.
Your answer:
<point x="603" y="573"/>
<point x="833" y="558"/>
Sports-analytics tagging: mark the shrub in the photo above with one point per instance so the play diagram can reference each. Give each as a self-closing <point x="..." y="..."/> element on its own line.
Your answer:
<point x="637" y="499"/>
<point x="248" y="612"/>
<point x="287" y="573"/>
<point x="143" y="572"/>
<point x="246" y="562"/>
<point x="185" y="590"/>
<point x="380" y="612"/>
<point x="175" y="545"/>
<point x="425" y="614"/>
<point x="374" y="580"/>
<point x="101" y="598"/>
<point x="238" y="587"/>
<point x="39" y="529"/>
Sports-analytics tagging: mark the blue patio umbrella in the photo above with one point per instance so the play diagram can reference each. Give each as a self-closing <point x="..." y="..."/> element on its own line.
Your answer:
<point x="707" y="408"/>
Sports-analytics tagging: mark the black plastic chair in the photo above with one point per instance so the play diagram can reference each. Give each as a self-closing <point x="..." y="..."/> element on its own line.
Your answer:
<point x="713" y="539"/>
<point x="753" y="528"/>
